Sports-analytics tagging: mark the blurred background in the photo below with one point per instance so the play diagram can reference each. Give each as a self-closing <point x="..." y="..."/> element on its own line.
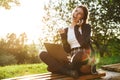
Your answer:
<point x="26" y="24"/>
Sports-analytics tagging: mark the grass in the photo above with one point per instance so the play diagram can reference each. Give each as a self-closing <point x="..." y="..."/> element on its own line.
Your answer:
<point x="21" y="70"/>
<point x="109" y="60"/>
<point x="27" y="69"/>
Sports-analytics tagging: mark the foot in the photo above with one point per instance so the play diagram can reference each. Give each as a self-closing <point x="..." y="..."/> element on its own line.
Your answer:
<point x="74" y="74"/>
<point x="71" y="73"/>
<point x="93" y="70"/>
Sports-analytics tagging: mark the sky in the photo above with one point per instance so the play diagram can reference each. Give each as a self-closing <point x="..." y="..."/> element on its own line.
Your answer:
<point x="27" y="17"/>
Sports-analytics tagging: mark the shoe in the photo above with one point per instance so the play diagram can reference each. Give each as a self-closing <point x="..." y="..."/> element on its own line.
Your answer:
<point x="93" y="69"/>
<point x="71" y="73"/>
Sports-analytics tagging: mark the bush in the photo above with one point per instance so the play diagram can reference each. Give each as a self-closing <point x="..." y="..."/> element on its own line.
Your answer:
<point x="7" y="59"/>
<point x="109" y="60"/>
<point x="114" y="46"/>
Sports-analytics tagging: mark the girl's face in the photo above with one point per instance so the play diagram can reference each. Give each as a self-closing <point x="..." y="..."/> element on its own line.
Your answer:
<point x="77" y="14"/>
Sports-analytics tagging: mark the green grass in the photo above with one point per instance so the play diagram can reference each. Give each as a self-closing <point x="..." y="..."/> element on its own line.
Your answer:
<point x="21" y="70"/>
<point x="27" y="69"/>
<point x="109" y="60"/>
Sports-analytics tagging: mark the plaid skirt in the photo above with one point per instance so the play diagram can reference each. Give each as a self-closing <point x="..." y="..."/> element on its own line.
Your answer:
<point x="80" y="54"/>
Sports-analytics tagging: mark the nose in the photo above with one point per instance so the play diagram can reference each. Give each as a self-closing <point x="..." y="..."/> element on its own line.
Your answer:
<point x="75" y="14"/>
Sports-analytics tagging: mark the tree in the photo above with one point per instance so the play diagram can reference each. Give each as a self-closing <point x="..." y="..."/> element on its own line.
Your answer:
<point x="104" y="18"/>
<point x="15" y="49"/>
<point x="8" y="3"/>
<point x="16" y="46"/>
<point x="105" y="23"/>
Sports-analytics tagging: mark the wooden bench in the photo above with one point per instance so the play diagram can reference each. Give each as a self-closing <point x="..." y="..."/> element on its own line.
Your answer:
<point x="112" y="67"/>
<point x="50" y="76"/>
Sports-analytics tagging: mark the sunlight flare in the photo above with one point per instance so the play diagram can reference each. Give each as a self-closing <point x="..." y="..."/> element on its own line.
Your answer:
<point x="27" y="17"/>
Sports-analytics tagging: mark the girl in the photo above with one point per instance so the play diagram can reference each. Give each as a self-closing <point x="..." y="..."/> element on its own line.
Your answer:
<point x="76" y="41"/>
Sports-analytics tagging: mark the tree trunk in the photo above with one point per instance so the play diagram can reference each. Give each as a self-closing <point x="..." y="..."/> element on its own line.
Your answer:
<point x="98" y="46"/>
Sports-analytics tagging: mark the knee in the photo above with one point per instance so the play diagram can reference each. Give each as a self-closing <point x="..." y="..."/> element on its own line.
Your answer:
<point x="85" y="69"/>
<point x="42" y="55"/>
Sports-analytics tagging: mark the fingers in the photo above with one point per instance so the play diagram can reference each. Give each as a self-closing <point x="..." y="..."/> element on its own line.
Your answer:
<point x="61" y="31"/>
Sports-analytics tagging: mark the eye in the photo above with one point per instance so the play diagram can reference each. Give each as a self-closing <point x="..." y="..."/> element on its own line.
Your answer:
<point x="76" y="10"/>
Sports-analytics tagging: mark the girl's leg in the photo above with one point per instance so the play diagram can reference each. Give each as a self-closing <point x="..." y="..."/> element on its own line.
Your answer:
<point x="80" y="62"/>
<point x="55" y="66"/>
<point x="79" y="59"/>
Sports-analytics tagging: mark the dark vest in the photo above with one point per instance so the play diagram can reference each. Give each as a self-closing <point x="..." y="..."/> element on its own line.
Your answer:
<point x="83" y="39"/>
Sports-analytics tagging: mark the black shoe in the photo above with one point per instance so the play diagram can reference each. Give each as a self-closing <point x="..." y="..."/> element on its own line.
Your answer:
<point x="71" y="73"/>
<point x="93" y="69"/>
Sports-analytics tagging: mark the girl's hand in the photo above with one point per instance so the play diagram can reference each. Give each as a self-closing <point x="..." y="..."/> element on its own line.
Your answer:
<point x="61" y="31"/>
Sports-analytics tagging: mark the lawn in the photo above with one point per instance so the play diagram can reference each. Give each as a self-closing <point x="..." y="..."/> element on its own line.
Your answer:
<point x="108" y="60"/>
<point x="27" y="69"/>
<point x="20" y="70"/>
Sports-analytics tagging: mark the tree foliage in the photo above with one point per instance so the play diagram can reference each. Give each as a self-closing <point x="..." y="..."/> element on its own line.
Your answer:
<point x="104" y="19"/>
<point x="15" y="49"/>
<point x="8" y="3"/>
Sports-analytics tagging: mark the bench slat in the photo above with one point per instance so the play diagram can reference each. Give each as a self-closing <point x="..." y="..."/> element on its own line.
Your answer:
<point x="50" y="76"/>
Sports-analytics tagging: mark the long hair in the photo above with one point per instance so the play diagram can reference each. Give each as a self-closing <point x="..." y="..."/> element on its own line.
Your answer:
<point x="85" y="15"/>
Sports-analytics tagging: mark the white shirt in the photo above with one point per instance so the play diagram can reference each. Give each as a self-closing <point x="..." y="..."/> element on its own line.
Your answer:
<point x="71" y="37"/>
